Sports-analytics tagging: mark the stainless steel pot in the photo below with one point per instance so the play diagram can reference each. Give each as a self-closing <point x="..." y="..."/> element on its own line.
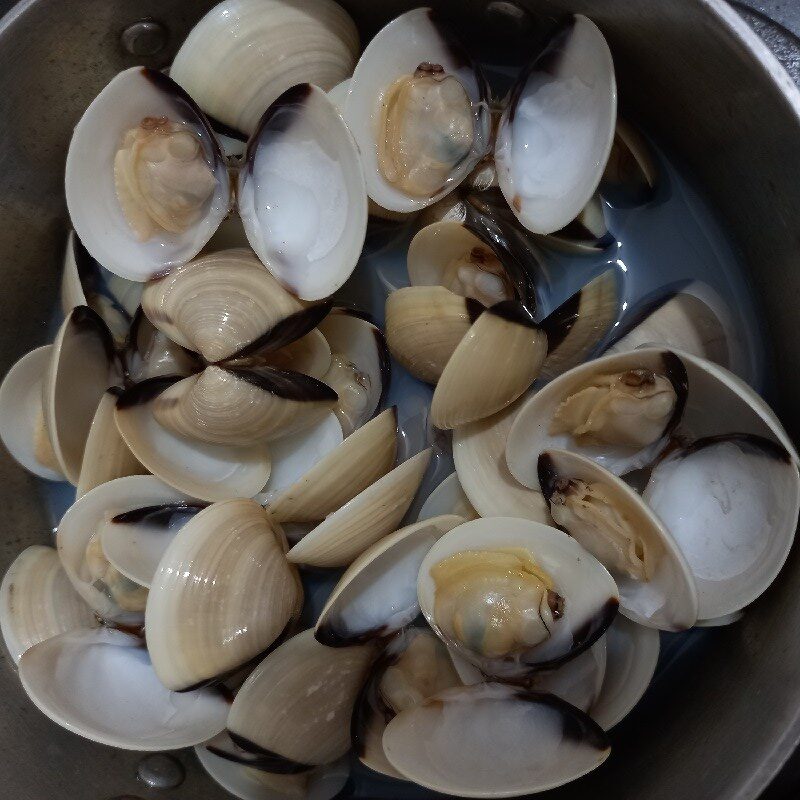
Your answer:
<point x="725" y="713"/>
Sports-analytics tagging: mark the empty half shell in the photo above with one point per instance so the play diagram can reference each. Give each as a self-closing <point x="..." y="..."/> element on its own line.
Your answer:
<point x="294" y="710"/>
<point x="556" y="133"/>
<point x="362" y="521"/>
<point x="301" y="194"/>
<point x="448" y="498"/>
<point x="377" y="595"/>
<point x="223" y="593"/>
<point x="159" y="181"/>
<point x="37" y="601"/>
<point x="22" y="427"/>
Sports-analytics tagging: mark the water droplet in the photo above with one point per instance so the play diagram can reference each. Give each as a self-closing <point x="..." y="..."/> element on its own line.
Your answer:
<point x="160" y="771"/>
<point x="145" y="38"/>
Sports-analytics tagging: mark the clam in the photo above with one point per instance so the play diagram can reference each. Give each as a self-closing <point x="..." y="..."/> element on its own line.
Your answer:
<point x="294" y="711"/>
<point x="100" y="684"/>
<point x="150" y="353"/>
<point x="417" y="107"/>
<point x="448" y="498"/>
<point x="105" y="456"/>
<point x="22" y="427"/>
<point x="414" y="666"/>
<point x="85" y="282"/>
<point x="424" y="325"/>
<point x="362" y="521"/>
<point x="209" y="471"/>
<point x="587" y="233"/>
<point x="493" y="740"/>
<point x="222" y="594"/>
<point x="513" y="596"/>
<point x="243" y="54"/>
<point x="632" y="655"/>
<point x="631" y="173"/>
<point x="556" y="133"/>
<point x="495" y="362"/>
<point x="610" y="520"/>
<point x="112" y="595"/>
<point x="350" y="468"/>
<point x="479" y="455"/>
<point x="360" y="370"/>
<point x="160" y="183"/>
<point x="79" y="372"/>
<point x="619" y="410"/>
<point x="731" y="502"/>
<point x="37" y="601"/>
<point x="377" y="595"/>
<point x="301" y="193"/>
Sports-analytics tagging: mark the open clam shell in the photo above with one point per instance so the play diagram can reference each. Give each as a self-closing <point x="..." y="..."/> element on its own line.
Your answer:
<point x="631" y="173"/>
<point x="301" y="193"/>
<point x="294" y="710"/>
<point x="140" y="96"/>
<point x="479" y="453"/>
<point x="81" y="524"/>
<point x="37" y="601"/>
<point x="555" y="136"/>
<point x="731" y="503"/>
<point x="79" y="372"/>
<point x="360" y="370"/>
<point x="417" y="42"/>
<point x="610" y="520"/>
<point x="587" y="233"/>
<point x="424" y="325"/>
<point x="150" y="353"/>
<point x="496" y="361"/>
<point x="651" y="402"/>
<point x="243" y="54"/>
<point x="226" y="305"/>
<point x="362" y="521"/>
<point x="358" y="462"/>
<point x="492" y="740"/>
<point x="632" y="655"/>
<point x="377" y="595"/>
<point x="100" y="684"/>
<point x="209" y="471"/>
<point x="591" y="598"/>
<point x="106" y="456"/>
<point x="22" y="427"/>
<point x="448" y="498"/>
<point x="223" y="593"/>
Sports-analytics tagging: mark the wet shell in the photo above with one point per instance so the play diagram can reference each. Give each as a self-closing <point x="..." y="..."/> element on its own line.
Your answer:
<point x="448" y="498"/>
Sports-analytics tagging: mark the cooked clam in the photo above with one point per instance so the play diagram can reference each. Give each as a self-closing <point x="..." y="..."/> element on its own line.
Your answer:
<point x="448" y="498"/>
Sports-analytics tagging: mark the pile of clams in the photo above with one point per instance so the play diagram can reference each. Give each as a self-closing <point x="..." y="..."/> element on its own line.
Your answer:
<point x="221" y="411"/>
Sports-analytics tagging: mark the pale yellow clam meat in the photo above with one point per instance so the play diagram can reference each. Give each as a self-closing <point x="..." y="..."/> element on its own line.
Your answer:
<point x="495" y="602"/>
<point x="162" y="178"/>
<point x="631" y="408"/>
<point x="129" y="596"/>
<point x="426" y="130"/>
<point x="479" y="274"/>
<point x="588" y="513"/>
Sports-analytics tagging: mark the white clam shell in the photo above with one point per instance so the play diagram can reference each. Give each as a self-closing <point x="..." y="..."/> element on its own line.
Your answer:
<point x="97" y="216"/>
<point x="37" y="601"/>
<point x="668" y="599"/>
<point x="632" y="655"/>
<point x="448" y="498"/>
<point x="83" y="520"/>
<point x="591" y="595"/>
<point x="556" y="134"/>
<point x="243" y="54"/>
<point x="490" y="740"/>
<point x="480" y="460"/>
<point x="377" y="595"/>
<point x="21" y="416"/>
<point x="106" y="456"/>
<point x="361" y="376"/>
<point x="222" y="594"/>
<point x="335" y="479"/>
<point x="298" y="702"/>
<point x="396" y="50"/>
<point x="362" y="521"/>
<point x="79" y="372"/>
<point x="100" y="684"/>
<point x="301" y="194"/>
<point x="732" y="506"/>
<point x="208" y="471"/>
